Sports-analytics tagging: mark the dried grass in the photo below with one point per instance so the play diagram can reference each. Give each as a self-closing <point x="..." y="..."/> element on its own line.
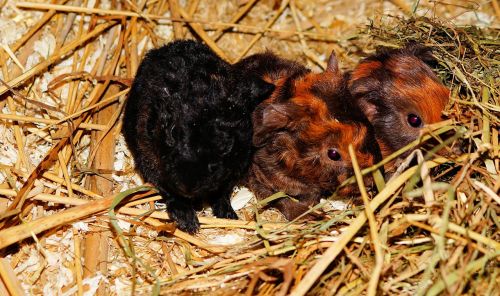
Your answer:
<point x="74" y="218"/>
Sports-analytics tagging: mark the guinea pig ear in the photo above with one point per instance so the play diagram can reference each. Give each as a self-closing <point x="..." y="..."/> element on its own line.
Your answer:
<point x="333" y="63"/>
<point x="267" y="120"/>
<point x="368" y="108"/>
<point x="365" y="92"/>
<point x="259" y="89"/>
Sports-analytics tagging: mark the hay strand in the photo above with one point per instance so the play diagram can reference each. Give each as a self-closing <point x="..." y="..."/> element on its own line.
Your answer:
<point x="432" y="229"/>
<point x="330" y="254"/>
<point x="379" y="255"/>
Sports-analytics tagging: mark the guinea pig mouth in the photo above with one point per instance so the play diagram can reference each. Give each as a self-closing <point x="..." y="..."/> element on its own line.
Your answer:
<point x="348" y="190"/>
<point x="353" y="189"/>
<point x="328" y="187"/>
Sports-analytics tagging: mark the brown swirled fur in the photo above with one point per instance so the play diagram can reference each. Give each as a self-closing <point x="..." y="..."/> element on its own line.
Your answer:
<point x="293" y="131"/>
<point x="394" y="83"/>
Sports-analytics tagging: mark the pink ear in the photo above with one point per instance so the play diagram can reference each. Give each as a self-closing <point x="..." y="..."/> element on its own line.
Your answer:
<point x="333" y="63"/>
<point x="272" y="118"/>
<point x="369" y="109"/>
<point x="275" y="116"/>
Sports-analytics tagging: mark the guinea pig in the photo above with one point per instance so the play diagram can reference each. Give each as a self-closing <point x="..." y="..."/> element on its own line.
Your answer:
<point x="399" y="93"/>
<point x="188" y="125"/>
<point x="301" y="149"/>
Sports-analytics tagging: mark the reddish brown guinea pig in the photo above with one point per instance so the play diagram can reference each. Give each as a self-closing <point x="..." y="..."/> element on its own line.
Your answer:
<point x="399" y="93"/>
<point x="300" y="148"/>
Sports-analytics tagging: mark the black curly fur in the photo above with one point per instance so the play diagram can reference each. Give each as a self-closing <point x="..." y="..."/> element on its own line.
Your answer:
<point x="188" y="125"/>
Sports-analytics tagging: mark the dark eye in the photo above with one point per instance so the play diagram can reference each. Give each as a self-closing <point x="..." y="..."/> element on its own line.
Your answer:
<point x="414" y="120"/>
<point x="333" y="154"/>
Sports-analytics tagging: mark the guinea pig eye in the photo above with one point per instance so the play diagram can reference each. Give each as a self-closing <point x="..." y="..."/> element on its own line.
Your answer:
<point x="333" y="154"/>
<point x="414" y="120"/>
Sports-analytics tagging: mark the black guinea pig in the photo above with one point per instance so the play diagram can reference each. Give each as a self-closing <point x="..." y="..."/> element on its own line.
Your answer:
<point x="188" y="125"/>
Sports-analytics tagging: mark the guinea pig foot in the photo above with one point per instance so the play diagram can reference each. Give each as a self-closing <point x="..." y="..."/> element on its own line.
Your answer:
<point x="184" y="216"/>
<point x="294" y="209"/>
<point x="222" y="209"/>
<point x="313" y="216"/>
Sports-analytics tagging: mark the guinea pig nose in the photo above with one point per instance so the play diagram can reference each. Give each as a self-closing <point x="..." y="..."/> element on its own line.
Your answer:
<point x="414" y="120"/>
<point x="333" y="154"/>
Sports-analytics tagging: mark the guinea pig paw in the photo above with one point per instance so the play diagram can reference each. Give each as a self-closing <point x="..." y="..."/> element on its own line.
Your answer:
<point x="229" y="214"/>
<point x="184" y="217"/>
<point x="313" y="216"/>
<point x="190" y="227"/>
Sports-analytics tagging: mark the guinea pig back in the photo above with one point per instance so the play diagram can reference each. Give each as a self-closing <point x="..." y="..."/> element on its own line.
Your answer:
<point x="187" y="123"/>
<point x="301" y="149"/>
<point x="399" y="93"/>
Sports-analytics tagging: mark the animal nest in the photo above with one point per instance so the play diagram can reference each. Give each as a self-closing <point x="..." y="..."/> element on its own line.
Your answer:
<point x="75" y="219"/>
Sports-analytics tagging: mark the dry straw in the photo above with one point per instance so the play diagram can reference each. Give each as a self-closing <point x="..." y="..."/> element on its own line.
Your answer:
<point x="432" y="229"/>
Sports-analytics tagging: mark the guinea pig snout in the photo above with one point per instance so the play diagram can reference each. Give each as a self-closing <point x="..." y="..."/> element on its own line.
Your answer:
<point x="369" y="182"/>
<point x="353" y="189"/>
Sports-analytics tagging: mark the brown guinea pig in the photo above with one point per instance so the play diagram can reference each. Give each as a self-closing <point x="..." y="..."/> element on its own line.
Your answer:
<point x="300" y="148"/>
<point x="399" y="93"/>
